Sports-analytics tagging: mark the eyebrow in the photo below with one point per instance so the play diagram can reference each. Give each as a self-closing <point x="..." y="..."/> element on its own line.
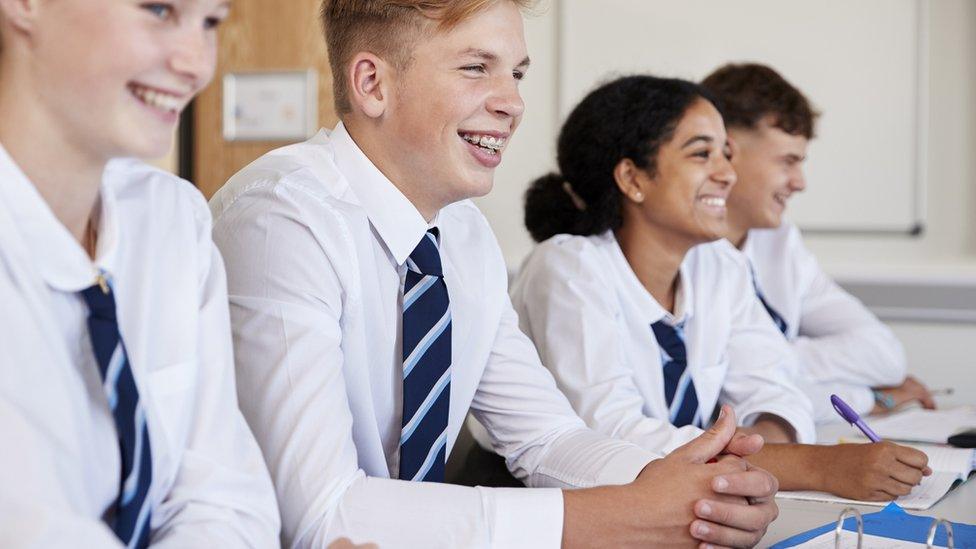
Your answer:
<point x="486" y="55"/>
<point x="703" y="138"/>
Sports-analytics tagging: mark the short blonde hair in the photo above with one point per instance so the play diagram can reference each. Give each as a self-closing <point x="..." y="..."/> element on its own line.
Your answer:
<point x="387" y="28"/>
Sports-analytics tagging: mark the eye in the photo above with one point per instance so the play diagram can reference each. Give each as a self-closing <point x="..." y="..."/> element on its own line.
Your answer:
<point x="212" y="23"/>
<point x="159" y="9"/>
<point x="479" y="68"/>
<point x="702" y="154"/>
<point x="518" y="75"/>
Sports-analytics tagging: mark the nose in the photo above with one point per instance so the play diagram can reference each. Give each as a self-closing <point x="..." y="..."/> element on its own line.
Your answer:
<point x="724" y="173"/>
<point x="798" y="182"/>
<point x="193" y="58"/>
<point x="506" y="99"/>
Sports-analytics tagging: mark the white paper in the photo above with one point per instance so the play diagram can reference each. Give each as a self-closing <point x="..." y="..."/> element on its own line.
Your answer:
<point x="948" y="459"/>
<point x="925" y="495"/>
<point x="918" y="425"/>
<point x="849" y="539"/>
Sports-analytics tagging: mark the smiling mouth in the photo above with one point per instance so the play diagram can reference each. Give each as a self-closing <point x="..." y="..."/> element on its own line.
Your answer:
<point x="781" y="198"/>
<point x="157" y="99"/>
<point x="490" y="144"/>
<point x="713" y="201"/>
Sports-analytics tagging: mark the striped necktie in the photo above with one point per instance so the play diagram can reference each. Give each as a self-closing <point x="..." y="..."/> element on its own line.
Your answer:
<point x="777" y="318"/>
<point x="679" y="388"/>
<point x="426" y="364"/>
<point x="130" y="517"/>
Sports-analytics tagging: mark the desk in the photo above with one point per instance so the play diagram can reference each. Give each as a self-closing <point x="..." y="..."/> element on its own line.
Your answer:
<point x="799" y="516"/>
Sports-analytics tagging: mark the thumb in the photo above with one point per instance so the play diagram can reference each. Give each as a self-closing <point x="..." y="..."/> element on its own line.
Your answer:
<point x="712" y="442"/>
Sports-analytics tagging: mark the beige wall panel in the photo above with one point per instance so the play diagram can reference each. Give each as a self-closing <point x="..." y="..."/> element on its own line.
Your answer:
<point x="259" y="35"/>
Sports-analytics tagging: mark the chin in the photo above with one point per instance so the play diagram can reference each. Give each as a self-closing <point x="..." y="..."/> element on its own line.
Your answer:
<point x="476" y="186"/>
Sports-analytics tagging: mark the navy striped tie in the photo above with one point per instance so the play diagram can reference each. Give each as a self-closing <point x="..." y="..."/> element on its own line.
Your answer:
<point x="777" y="318"/>
<point x="130" y="519"/>
<point x="679" y="388"/>
<point x="426" y="364"/>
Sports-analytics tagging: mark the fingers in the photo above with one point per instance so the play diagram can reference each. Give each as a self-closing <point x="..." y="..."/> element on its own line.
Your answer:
<point x="743" y="444"/>
<point x="753" y="483"/>
<point x="710" y="443"/>
<point x="741" y="517"/>
<point x="911" y="457"/>
<point x="904" y="473"/>
<point x="716" y="534"/>
<point x="895" y="487"/>
<point x="927" y="400"/>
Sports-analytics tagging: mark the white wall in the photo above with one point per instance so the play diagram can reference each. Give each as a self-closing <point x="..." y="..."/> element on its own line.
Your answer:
<point x="942" y="354"/>
<point x="949" y="241"/>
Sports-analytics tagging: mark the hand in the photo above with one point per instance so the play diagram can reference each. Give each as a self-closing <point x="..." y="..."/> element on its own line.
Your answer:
<point x="679" y="501"/>
<point x="882" y="471"/>
<point x="345" y="543"/>
<point x="910" y="390"/>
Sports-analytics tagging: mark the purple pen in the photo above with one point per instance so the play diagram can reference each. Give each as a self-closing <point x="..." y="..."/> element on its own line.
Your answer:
<point x="851" y="417"/>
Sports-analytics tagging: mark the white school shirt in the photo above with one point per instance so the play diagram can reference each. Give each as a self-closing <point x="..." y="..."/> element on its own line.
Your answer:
<point x="842" y="347"/>
<point x="315" y="238"/>
<point x="60" y="462"/>
<point x="590" y="318"/>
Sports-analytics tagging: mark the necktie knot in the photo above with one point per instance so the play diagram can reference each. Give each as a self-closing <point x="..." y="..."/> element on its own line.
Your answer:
<point x="426" y="257"/>
<point x="100" y="304"/>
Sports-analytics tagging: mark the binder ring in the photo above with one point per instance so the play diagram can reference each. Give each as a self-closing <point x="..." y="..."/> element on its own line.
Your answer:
<point x="860" y="527"/>
<point x="935" y="528"/>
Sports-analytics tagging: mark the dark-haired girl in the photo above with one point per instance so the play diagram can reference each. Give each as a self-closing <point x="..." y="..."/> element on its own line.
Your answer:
<point x="646" y="316"/>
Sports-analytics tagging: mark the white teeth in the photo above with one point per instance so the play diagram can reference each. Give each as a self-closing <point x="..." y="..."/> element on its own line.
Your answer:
<point x="159" y="100"/>
<point x="714" y="201"/>
<point x="492" y="144"/>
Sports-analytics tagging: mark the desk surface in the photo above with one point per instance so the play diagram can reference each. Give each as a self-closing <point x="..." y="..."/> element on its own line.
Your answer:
<point x="799" y="516"/>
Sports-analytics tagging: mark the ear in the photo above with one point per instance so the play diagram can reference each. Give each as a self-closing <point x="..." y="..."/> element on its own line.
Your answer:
<point x="21" y="14"/>
<point x="630" y="180"/>
<point x="371" y="84"/>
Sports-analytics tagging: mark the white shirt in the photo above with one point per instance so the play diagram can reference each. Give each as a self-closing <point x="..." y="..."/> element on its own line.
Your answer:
<point x="843" y="348"/>
<point x="60" y="463"/>
<point x="590" y="318"/>
<point x="315" y="239"/>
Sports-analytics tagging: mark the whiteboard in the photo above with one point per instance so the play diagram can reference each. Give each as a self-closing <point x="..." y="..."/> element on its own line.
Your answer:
<point x="863" y="64"/>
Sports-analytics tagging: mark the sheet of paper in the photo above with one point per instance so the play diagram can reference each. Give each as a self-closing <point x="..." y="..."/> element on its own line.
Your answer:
<point x="849" y="540"/>
<point x="918" y="425"/>
<point x="925" y="495"/>
<point x="948" y="459"/>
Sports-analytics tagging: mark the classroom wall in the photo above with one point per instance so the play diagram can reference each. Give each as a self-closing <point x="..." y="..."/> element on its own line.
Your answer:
<point x="949" y="240"/>
<point x="258" y="35"/>
<point x="939" y="352"/>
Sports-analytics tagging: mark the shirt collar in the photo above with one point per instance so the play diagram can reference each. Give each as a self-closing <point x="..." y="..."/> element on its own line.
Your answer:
<point x="396" y="220"/>
<point x="637" y="293"/>
<point x="59" y="258"/>
<point x="747" y="248"/>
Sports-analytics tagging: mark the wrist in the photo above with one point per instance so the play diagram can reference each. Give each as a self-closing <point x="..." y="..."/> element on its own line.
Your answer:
<point x="884" y="400"/>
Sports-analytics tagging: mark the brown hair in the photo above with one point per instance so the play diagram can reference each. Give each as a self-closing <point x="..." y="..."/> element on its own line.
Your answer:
<point x="749" y="92"/>
<point x="387" y="28"/>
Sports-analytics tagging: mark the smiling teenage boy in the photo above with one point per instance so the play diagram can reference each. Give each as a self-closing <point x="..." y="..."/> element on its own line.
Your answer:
<point x="843" y="348"/>
<point x="370" y="313"/>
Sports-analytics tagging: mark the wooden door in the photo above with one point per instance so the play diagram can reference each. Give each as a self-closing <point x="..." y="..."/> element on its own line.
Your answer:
<point x="258" y="35"/>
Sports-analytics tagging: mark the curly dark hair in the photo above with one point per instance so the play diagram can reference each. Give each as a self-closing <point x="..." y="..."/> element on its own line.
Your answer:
<point x="630" y="117"/>
<point x="748" y="92"/>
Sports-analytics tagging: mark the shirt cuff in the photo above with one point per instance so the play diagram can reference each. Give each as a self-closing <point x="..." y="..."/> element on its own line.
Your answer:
<point x="624" y="466"/>
<point x="520" y="517"/>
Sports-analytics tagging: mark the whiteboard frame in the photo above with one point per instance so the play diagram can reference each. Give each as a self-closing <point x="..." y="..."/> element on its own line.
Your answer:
<point x="921" y="124"/>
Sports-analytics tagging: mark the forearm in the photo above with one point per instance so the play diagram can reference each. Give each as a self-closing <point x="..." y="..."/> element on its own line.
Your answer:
<point x="796" y="466"/>
<point x="588" y="512"/>
<point x="773" y="429"/>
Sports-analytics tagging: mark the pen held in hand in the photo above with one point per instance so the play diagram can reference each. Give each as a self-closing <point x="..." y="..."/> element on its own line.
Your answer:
<point x="853" y="418"/>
